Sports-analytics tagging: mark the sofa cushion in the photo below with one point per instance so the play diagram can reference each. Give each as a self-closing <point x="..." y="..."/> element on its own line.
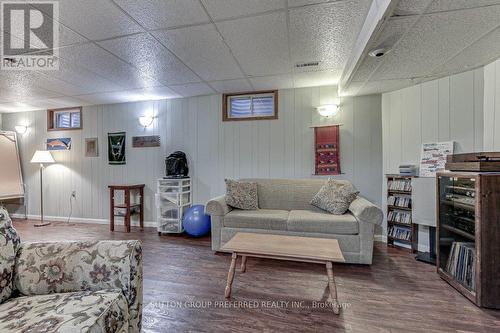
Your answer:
<point x="257" y="219"/>
<point x="9" y="241"/>
<point x="241" y="195"/>
<point x="322" y="222"/>
<point x="335" y="197"/>
<point x="288" y="194"/>
<point x="83" y="311"/>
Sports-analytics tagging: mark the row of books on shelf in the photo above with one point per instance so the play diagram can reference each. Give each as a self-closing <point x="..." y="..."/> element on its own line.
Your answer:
<point x="461" y="263"/>
<point x="399" y="185"/>
<point x="399" y="201"/>
<point x="399" y="233"/>
<point x="401" y="217"/>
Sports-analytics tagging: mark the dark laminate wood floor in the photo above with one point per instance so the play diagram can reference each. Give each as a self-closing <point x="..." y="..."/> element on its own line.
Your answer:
<point x="184" y="290"/>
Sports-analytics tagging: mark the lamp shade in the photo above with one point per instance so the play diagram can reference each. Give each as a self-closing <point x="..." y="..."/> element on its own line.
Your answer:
<point x="145" y="120"/>
<point x="42" y="156"/>
<point x="328" y="110"/>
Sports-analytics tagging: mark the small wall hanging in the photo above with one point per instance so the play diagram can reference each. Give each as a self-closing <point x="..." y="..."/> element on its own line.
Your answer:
<point x="91" y="148"/>
<point x="327" y="150"/>
<point x="433" y="157"/>
<point x="59" y="144"/>
<point x="116" y="148"/>
<point x="146" y="141"/>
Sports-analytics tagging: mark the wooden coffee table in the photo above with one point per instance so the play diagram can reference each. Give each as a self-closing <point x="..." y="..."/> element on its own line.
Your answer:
<point x="305" y="249"/>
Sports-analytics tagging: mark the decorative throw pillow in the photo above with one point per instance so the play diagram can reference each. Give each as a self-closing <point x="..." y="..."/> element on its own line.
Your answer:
<point x="9" y="241"/>
<point x="242" y="195"/>
<point x="335" y="197"/>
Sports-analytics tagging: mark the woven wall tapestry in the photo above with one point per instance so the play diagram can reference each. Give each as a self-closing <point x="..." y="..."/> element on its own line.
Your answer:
<point x="327" y="150"/>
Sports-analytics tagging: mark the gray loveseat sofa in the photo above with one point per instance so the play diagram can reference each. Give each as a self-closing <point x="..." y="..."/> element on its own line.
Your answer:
<point x="285" y="209"/>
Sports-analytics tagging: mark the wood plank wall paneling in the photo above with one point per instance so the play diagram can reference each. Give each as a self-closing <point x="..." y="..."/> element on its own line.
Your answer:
<point x="450" y="108"/>
<point x="216" y="150"/>
<point x="492" y="106"/>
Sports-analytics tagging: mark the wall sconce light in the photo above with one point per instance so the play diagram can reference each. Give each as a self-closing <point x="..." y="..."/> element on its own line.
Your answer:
<point x="21" y="129"/>
<point x="146" y="120"/>
<point x="328" y="110"/>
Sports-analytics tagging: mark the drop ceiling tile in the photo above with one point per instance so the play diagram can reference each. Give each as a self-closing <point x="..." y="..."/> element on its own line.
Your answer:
<point x="202" y="49"/>
<point x="23" y="85"/>
<point x="88" y="81"/>
<point x="107" y="65"/>
<point x="411" y="7"/>
<point x="134" y="95"/>
<point x="259" y="43"/>
<point x="56" y="85"/>
<point x="482" y="52"/>
<point x="156" y="93"/>
<point x="96" y="19"/>
<point x="63" y="102"/>
<point x="298" y="3"/>
<point x="151" y="58"/>
<point x="444" y="5"/>
<point x="283" y="81"/>
<point x="192" y="89"/>
<point x="52" y="103"/>
<point x="231" y="86"/>
<point x="112" y="97"/>
<point x="320" y="78"/>
<point x="157" y="14"/>
<point x="435" y="39"/>
<point x="326" y="32"/>
<point x="223" y="9"/>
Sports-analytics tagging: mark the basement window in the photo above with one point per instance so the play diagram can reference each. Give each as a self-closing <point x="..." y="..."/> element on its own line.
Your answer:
<point x="250" y="106"/>
<point x="64" y="119"/>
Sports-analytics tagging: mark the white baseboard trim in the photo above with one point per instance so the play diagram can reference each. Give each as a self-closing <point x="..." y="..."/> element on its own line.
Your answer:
<point x="118" y="221"/>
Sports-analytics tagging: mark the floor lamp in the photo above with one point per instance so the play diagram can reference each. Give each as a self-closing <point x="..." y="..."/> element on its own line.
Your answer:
<point x="41" y="157"/>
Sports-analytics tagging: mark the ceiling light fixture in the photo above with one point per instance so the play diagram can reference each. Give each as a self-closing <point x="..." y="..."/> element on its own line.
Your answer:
<point x="146" y="121"/>
<point x="378" y="53"/>
<point x="328" y="110"/>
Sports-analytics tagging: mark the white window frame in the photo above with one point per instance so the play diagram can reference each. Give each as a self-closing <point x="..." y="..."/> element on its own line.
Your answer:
<point x="227" y="98"/>
<point x="52" y="118"/>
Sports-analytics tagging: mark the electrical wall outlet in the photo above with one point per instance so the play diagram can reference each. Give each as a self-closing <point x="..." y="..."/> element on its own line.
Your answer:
<point x="73" y="194"/>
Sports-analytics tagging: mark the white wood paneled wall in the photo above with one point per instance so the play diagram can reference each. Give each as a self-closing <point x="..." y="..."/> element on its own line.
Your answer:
<point x="446" y="109"/>
<point x="492" y="106"/>
<point x="216" y="150"/>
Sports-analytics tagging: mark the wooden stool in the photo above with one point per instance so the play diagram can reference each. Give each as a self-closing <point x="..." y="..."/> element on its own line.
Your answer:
<point x="126" y="205"/>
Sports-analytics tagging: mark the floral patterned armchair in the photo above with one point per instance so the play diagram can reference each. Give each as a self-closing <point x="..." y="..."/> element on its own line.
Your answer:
<point x="69" y="286"/>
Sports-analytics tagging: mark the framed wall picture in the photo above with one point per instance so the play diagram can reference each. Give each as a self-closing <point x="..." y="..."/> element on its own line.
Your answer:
<point x="91" y="147"/>
<point x="59" y="144"/>
<point x="146" y="141"/>
<point x="116" y="148"/>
